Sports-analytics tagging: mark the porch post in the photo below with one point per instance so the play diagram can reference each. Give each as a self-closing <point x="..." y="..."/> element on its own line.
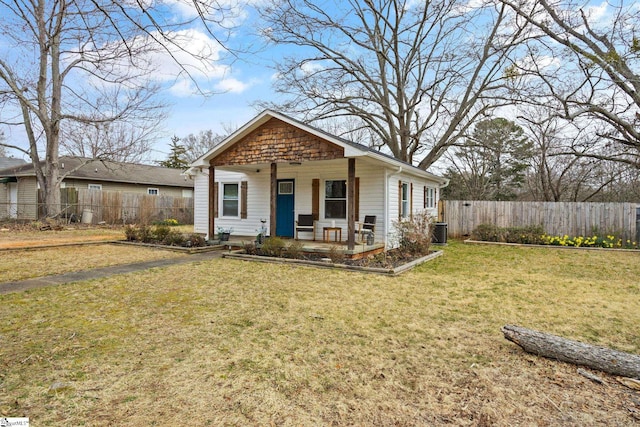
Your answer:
<point x="351" y="205"/>
<point x="274" y="198"/>
<point x="212" y="202"/>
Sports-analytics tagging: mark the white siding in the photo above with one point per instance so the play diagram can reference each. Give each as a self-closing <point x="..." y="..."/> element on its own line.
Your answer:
<point x="371" y="191"/>
<point x="378" y="195"/>
<point x="417" y="204"/>
<point x="257" y="202"/>
<point x="201" y="203"/>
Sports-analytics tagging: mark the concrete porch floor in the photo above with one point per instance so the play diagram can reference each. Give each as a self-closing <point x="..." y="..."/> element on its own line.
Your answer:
<point x="317" y="247"/>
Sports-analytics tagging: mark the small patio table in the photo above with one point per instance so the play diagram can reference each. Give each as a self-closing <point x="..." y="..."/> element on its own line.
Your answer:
<point x="337" y="233"/>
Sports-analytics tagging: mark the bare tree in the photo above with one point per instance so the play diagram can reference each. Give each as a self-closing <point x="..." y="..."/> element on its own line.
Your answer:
<point x="586" y="58"/>
<point x="418" y="74"/>
<point x="118" y="142"/>
<point x="556" y="175"/>
<point x="3" y="149"/>
<point x="197" y="145"/>
<point x="75" y="64"/>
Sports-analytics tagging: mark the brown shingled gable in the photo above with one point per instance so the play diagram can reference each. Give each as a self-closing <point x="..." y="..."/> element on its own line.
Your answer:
<point x="277" y="142"/>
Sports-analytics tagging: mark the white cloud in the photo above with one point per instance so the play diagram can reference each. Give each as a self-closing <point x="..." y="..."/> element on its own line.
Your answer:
<point x="183" y="88"/>
<point x="597" y="12"/>
<point x="191" y="51"/>
<point x="232" y="85"/>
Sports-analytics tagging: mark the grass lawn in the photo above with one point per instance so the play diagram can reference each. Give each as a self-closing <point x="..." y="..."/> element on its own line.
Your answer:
<point x="227" y="342"/>
<point x="47" y="261"/>
<point x="27" y="235"/>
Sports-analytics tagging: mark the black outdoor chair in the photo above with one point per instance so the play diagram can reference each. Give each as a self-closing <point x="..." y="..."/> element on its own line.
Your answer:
<point x="368" y="226"/>
<point x="306" y="223"/>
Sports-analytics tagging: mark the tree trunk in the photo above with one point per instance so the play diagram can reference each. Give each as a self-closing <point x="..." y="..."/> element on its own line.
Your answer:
<point x="555" y="347"/>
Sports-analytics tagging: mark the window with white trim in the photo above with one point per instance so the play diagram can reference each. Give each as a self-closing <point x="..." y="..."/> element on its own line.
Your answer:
<point x="95" y="187"/>
<point x="405" y="200"/>
<point x="335" y="199"/>
<point x="230" y="199"/>
<point x="429" y="197"/>
<point x="153" y="191"/>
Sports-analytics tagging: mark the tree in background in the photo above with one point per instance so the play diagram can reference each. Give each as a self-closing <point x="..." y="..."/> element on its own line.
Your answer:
<point x="3" y="149"/>
<point x="417" y="74"/>
<point x="557" y="176"/>
<point x="491" y="164"/>
<point x="86" y="63"/>
<point x="118" y="142"/>
<point x="585" y="62"/>
<point x="197" y="145"/>
<point x="177" y="156"/>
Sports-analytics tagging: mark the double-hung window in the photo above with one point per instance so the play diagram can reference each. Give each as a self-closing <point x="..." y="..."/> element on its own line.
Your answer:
<point x="404" y="205"/>
<point x="429" y="197"/>
<point x="335" y="199"/>
<point x="230" y="200"/>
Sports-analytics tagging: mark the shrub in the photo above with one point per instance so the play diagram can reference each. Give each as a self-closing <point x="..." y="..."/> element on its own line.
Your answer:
<point x="173" y="238"/>
<point x="160" y="232"/>
<point x="130" y="233"/>
<point x="249" y="248"/>
<point x="273" y="246"/>
<point x="196" y="240"/>
<point x="531" y="234"/>
<point x="144" y="234"/>
<point x="336" y="255"/>
<point x="294" y="249"/>
<point x="414" y="235"/>
<point x="486" y="233"/>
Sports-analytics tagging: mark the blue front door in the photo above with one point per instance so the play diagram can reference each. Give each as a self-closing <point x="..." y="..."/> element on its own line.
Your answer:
<point x="285" y="208"/>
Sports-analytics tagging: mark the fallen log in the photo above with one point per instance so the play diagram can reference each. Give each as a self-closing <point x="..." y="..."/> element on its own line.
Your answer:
<point x="554" y="347"/>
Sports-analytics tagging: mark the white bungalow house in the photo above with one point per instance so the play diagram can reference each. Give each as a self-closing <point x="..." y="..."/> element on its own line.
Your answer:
<point x="275" y="168"/>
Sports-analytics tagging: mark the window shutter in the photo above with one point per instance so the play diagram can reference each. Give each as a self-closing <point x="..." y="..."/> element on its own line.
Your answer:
<point x="399" y="199"/>
<point x="411" y="200"/>
<point x="243" y="199"/>
<point x="315" y="198"/>
<point x="215" y="200"/>
<point x="424" y="197"/>
<point x="357" y="199"/>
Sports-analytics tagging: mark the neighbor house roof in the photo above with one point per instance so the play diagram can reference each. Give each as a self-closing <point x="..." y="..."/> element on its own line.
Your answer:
<point x="108" y="171"/>
<point x="9" y="162"/>
<point x="351" y="149"/>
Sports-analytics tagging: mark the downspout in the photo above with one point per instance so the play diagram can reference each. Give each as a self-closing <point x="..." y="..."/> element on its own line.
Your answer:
<point x="387" y="208"/>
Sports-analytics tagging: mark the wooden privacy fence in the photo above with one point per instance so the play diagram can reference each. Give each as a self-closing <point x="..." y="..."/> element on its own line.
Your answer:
<point x="557" y="218"/>
<point x="115" y="207"/>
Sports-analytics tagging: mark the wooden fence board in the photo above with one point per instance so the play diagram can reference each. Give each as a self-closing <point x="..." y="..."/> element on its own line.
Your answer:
<point x="557" y="218"/>
<point x="114" y="207"/>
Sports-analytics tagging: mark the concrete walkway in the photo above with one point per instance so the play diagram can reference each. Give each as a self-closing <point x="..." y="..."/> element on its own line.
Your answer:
<point x="97" y="273"/>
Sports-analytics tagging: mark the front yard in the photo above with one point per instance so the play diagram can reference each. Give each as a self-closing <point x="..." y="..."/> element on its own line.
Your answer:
<point x="228" y="342"/>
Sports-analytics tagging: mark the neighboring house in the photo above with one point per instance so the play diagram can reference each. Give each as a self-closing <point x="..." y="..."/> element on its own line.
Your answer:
<point x="9" y="188"/>
<point x="19" y="188"/>
<point x="275" y="168"/>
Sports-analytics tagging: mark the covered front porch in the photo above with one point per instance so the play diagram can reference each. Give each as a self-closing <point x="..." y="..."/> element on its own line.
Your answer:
<point x="274" y="172"/>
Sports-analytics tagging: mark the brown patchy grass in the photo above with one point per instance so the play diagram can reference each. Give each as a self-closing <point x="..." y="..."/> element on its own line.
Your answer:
<point x="228" y="342"/>
<point x="28" y="235"/>
<point x="26" y="264"/>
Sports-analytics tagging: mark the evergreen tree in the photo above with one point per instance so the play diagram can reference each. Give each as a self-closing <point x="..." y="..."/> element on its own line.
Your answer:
<point x="177" y="156"/>
<point x="492" y="163"/>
